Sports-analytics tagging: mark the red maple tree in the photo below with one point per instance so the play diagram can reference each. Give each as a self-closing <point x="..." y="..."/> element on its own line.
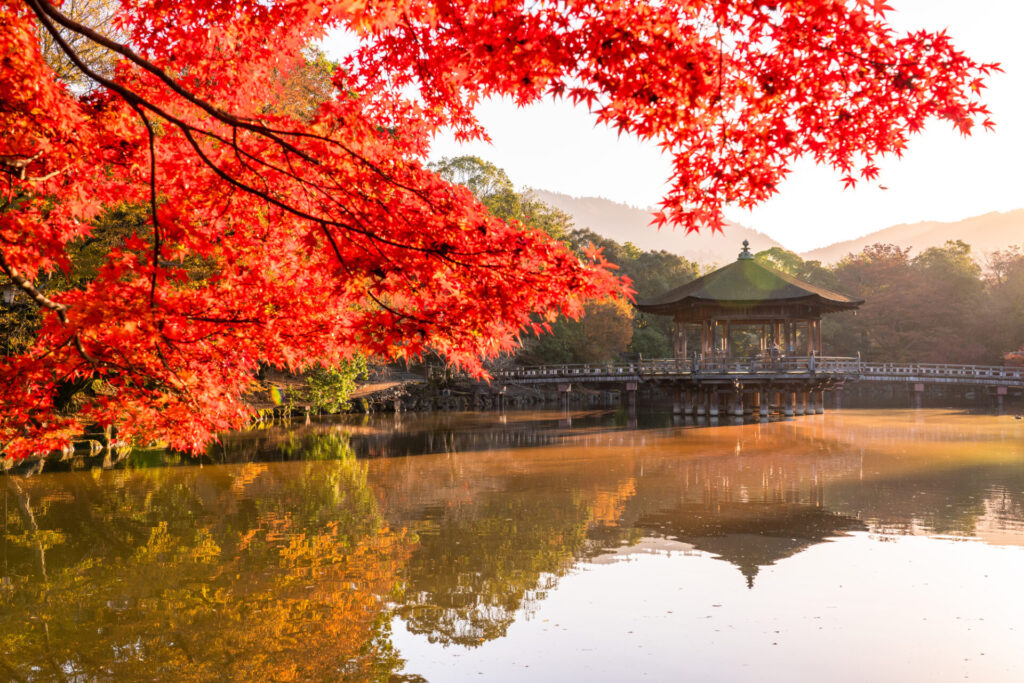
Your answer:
<point x="294" y="240"/>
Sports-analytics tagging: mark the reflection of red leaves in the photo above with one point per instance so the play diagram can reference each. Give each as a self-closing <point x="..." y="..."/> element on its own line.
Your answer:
<point x="345" y="243"/>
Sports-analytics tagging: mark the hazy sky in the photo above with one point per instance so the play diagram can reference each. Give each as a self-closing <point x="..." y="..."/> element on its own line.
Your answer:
<point x="941" y="177"/>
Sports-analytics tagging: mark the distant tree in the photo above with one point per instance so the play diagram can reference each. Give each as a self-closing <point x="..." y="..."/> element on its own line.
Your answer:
<point x="946" y="306"/>
<point x="304" y="87"/>
<point x="607" y="330"/>
<point x="1003" y="321"/>
<point x="492" y="186"/>
<point x="781" y="259"/>
<point x="930" y="308"/>
<point x="650" y="273"/>
<point x="792" y="264"/>
<point x="881" y="275"/>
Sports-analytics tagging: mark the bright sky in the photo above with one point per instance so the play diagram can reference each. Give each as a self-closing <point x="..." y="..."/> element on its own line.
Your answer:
<point x="941" y="177"/>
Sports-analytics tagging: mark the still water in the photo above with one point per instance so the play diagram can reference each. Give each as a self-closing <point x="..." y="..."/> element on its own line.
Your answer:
<point x="851" y="546"/>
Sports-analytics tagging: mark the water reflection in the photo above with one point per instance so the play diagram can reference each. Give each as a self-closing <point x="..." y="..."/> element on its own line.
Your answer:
<point x="295" y="570"/>
<point x="259" y="572"/>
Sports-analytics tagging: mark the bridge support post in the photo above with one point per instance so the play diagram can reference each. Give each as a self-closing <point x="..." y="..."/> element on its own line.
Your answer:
<point x="801" y="401"/>
<point x="713" y="403"/>
<point x="688" y="401"/>
<point x="749" y="402"/>
<point x="563" y="395"/>
<point x="762" y="400"/>
<point x="819" y="401"/>
<point x="702" y="400"/>
<point x="787" y="403"/>
<point x="631" y="397"/>
<point x="918" y="390"/>
<point x="837" y="397"/>
<point x="677" y="401"/>
<point x="1000" y="399"/>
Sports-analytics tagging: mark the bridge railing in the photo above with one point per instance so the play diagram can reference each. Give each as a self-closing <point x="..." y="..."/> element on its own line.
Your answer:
<point x="764" y="365"/>
<point x="941" y="370"/>
<point x="676" y="366"/>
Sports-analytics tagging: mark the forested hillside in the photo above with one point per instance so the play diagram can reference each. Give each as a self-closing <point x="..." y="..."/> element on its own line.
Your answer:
<point x="937" y="307"/>
<point x="986" y="234"/>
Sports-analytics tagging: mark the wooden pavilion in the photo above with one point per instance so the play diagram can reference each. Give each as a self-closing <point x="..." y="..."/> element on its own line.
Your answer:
<point x="747" y="294"/>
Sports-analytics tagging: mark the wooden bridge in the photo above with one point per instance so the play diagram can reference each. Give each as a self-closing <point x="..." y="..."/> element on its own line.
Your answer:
<point x="790" y="385"/>
<point x="839" y="368"/>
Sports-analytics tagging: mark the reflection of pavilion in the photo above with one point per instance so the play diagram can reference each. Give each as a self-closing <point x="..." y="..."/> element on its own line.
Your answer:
<point x="749" y="535"/>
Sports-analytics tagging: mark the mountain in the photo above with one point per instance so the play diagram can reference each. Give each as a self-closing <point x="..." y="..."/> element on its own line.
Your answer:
<point x="985" y="234"/>
<point x="624" y="223"/>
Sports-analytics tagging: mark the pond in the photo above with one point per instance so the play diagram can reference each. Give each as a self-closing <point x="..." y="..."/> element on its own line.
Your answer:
<point x="856" y="545"/>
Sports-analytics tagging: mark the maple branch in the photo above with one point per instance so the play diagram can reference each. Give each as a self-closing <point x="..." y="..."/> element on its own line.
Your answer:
<point x="48" y="176"/>
<point x="44" y="301"/>
<point x="152" y="201"/>
<point x="34" y="293"/>
<point x="41" y="7"/>
<point x="16" y="164"/>
<point x="45" y="11"/>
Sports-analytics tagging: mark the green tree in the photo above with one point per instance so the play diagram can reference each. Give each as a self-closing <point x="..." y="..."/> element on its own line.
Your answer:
<point x="329" y="389"/>
<point x="792" y="264"/>
<point x="651" y="273"/>
<point x="492" y="186"/>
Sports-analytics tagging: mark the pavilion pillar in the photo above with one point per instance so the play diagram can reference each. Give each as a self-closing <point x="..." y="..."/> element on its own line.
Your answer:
<point x="726" y="340"/>
<point x="682" y="333"/>
<point x="810" y="337"/>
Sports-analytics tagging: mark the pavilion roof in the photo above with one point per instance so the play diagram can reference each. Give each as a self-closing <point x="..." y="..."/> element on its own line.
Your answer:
<point x="746" y="282"/>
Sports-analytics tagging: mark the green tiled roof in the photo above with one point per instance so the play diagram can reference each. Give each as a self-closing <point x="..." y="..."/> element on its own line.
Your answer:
<point x="749" y="282"/>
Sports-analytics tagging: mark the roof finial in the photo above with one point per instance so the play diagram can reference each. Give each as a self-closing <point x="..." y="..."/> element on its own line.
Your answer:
<point x="745" y="254"/>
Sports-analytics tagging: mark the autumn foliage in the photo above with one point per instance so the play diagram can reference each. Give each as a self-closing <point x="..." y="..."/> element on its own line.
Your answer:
<point x="293" y="236"/>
